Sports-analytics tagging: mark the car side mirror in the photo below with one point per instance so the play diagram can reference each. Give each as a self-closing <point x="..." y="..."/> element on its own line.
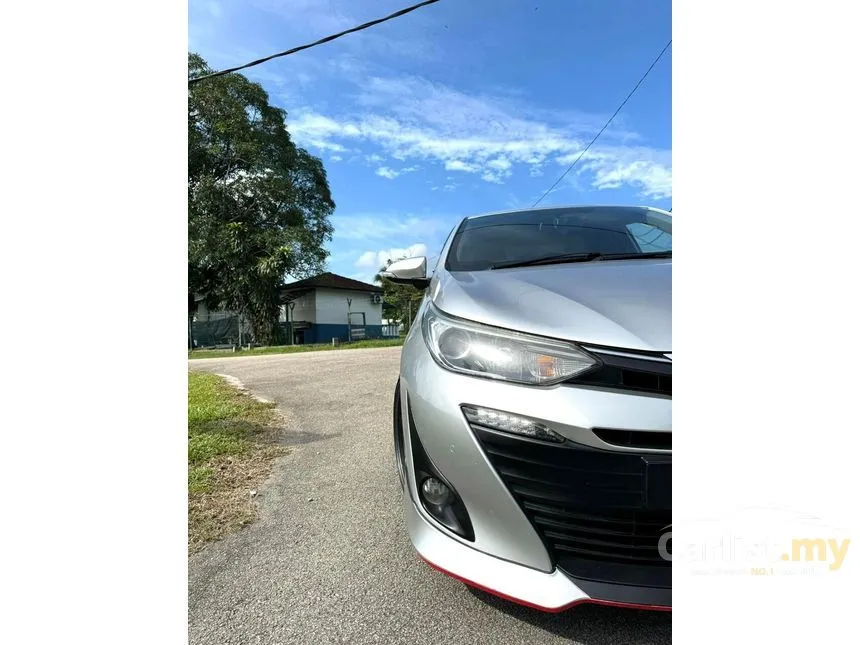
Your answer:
<point x="412" y="271"/>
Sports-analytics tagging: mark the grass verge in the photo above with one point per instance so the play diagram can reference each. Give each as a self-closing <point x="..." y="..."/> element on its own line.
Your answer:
<point x="292" y="349"/>
<point x="232" y="440"/>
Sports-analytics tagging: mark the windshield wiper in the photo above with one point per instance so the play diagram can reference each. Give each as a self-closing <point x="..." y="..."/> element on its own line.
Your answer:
<point x="580" y="257"/>
<point x="634" y="256"/>
<point x="550" y="259"/>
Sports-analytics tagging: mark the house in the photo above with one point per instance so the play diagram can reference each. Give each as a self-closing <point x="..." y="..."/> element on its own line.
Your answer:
<point x="329" y="306"/>
<point x="315" y="310"/>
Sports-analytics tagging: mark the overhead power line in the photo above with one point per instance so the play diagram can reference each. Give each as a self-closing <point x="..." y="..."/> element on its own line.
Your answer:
<point x="605" y="125"/>
<point x="327" y="39"/>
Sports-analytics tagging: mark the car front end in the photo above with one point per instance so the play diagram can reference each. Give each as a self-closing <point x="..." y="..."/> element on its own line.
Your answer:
<point x="532" y="431"/>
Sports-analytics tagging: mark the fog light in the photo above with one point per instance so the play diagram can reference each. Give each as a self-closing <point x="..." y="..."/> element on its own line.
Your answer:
<point x="512" y="423"/>
<point x="435" y="492"/>
<point x="436" y="495"/>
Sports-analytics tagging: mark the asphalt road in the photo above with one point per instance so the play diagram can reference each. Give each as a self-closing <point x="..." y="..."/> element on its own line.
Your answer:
<point x="330" y="561"/>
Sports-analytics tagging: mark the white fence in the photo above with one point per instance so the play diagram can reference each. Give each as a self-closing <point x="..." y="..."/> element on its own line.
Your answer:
<point x="390" y="331"/>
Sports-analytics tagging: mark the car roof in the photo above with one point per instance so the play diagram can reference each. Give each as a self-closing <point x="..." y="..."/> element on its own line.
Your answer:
<point x="570" y="207"/>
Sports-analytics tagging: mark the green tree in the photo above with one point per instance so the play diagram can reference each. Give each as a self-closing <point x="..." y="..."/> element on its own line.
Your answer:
<point x="400" y="302"/>
<point x="258" y="205"/>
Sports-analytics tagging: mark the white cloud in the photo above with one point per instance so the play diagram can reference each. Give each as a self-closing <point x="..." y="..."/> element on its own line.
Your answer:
<point x="388" y="173"/>
<point x="336" y="158"/>
<point x="413" y="119"/>
<point x="374" y="158"/>
<point x="366" y="277"/>
<point x="649" y="170"/>
<point x="456" y="164"/>
<point x="498" y="170"/>
<point x="351" y="131"/>
<point x="377" y="259"/>
<point x="385" y="228"/>
<point x="325" y="144"/>
<point x="653" y="180"/>
<point x="368" y="259"/>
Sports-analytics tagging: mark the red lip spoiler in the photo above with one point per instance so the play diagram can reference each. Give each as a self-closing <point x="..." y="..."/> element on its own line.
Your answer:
<point x="551" y="610"/>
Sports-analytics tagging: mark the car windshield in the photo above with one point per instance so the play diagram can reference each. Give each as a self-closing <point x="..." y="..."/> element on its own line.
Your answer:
<point x="507" y="238"/>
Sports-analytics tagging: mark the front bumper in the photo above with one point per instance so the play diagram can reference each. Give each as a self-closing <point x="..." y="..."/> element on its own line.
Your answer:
<point x="546" y="591"/>
<point x="549" y="592"/>
<point x="512" y="554"/>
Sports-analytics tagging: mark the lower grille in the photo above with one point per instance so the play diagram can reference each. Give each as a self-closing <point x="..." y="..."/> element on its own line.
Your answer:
<point x="600" y="513"/>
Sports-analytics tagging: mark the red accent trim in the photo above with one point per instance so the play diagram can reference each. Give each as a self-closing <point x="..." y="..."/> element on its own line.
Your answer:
<point x="551" y="610"/>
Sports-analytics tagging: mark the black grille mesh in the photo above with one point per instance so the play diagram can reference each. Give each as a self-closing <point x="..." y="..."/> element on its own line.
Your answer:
<point x="590" y="507"/>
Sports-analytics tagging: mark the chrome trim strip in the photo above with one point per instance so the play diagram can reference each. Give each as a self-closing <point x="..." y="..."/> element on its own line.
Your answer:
<point x="663" y="358"/>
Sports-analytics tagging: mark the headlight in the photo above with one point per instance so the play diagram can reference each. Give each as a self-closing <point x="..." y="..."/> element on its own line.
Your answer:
<point x="472" y="348"/>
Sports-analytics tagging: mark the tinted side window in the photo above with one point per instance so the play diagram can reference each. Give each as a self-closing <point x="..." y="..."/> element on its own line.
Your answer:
<point x="650" y="238"/>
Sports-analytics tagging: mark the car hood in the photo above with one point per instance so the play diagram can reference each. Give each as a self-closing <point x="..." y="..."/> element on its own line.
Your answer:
<point x="623" y="304"/>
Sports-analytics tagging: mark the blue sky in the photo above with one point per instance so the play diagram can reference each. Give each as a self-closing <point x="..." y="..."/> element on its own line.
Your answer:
<point x="459" y="108"/>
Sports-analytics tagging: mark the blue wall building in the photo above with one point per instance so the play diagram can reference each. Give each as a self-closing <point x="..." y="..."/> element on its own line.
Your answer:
<point x="330" y="306"/>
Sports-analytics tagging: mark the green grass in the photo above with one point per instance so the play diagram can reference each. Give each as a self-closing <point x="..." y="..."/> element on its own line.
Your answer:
<point x="199" y="479"/>
<point x="292" y="349"/>
<point x="232" y="439"/>
<point x="220" y="418"/>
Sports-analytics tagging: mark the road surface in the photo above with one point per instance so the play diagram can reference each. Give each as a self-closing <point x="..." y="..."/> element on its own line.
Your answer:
<point x="330" y="561"/>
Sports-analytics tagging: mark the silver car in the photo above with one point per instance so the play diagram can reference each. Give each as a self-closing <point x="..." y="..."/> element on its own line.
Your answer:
<point x="533" y="412"/>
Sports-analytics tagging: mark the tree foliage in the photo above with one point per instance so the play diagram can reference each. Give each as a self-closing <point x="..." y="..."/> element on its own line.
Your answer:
<point x="258" y="205"/>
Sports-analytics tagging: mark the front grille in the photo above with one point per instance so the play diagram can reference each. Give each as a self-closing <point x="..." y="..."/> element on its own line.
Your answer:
<point x="639" y="374"/>
<point x="636" y="438"/>
<point x="595" y="510"/>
